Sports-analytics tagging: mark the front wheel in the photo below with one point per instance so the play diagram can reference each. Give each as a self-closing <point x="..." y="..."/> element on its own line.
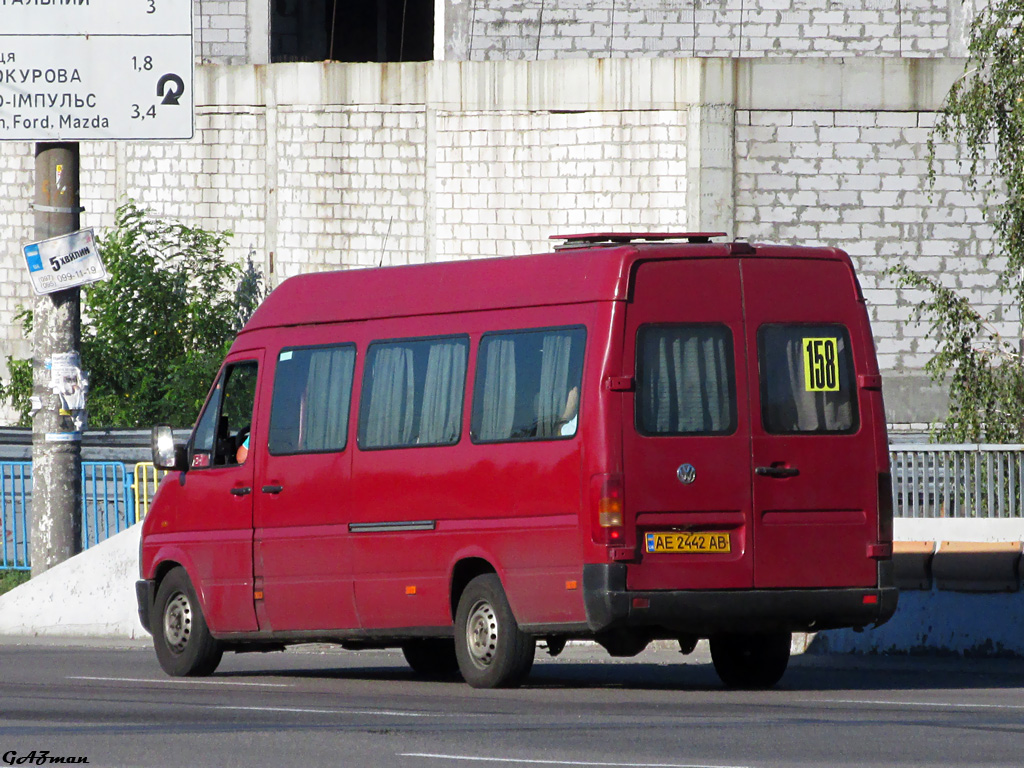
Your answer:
<point x="184" y="645"/>
<point x="492" y="651"/>
<point x="751" y="661"/>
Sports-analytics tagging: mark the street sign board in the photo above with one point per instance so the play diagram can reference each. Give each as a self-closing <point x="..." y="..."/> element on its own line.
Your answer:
<point x="64" y="262"/>
<point x="86" y="70"/>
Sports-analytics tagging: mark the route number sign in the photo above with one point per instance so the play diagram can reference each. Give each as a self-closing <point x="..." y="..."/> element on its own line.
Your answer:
<point x="86" y="70"/>
<point x="821" y="365"/>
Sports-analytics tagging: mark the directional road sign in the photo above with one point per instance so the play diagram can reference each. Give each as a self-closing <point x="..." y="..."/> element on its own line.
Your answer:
<point x="82" y="70"/>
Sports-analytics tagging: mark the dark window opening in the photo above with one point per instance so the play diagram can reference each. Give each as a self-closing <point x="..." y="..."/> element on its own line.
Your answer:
<point x="352" y="30"/>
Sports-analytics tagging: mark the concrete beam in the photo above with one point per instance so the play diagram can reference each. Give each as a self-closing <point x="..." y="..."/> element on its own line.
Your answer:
<point x="593" y="84"/>
<point x="868" y="84"/>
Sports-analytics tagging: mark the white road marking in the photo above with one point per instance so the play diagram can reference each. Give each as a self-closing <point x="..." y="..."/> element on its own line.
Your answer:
<point x="524" y="761"/>
<point x="303" y="710"/>
<point x="176" y="681"/>
<point x="894" y="703"/>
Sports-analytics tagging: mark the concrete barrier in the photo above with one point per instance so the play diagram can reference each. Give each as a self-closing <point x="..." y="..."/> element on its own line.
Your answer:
<point x="957" y="596"/>
<point x="912" y="564"/>
<point x="972" y="566"/>
<point x="90" y="595"/>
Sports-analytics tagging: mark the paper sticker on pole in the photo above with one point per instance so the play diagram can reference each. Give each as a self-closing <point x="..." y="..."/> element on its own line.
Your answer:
<point x="64" y="262"/>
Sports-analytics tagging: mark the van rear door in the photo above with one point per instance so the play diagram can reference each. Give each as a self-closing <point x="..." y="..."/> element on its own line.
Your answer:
<point x="814" y="464"/>
<point x="686" y="441"/>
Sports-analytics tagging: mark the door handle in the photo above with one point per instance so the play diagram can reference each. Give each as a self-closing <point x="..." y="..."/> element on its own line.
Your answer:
<point x="275" y="489"/>
<point x="241" y="491"/>
<point x="777" y="471"/>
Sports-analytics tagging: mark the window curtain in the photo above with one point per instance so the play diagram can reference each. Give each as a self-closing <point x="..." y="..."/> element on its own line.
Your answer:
<point x="325" y="404"/>
<point x="688" y="381"/>
<point x="554" y="382"/>
<point x="442" y="393"/>
<point x="793" y="408"/>
<point x="499" y="391"/>
<point x="390" y="414"/>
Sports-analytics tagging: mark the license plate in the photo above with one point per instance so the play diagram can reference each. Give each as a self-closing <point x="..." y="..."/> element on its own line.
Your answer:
<point x="688" y="542"/>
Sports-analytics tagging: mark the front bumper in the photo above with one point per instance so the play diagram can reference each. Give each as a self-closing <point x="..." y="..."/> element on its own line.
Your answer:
<point x="610" y="605"/>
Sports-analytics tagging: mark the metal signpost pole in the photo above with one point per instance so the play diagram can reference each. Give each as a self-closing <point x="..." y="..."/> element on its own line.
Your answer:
<point x="56" y="330"/>
<point x="71" y="72"/>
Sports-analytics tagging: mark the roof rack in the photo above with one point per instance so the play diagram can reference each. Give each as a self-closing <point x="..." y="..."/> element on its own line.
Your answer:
<point x="622" y="238"/>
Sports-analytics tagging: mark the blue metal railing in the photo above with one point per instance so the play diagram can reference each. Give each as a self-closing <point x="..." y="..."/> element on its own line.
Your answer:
<point x="108" y="507"/>
<point x="15" y="490"/>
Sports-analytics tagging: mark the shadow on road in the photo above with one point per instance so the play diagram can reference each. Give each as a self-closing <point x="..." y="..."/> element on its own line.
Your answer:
<point x="674" y="672"/>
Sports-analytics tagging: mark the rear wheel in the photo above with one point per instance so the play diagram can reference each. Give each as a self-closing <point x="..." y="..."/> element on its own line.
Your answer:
<point x="432" y="657"/>
<point x="492" y="651"/>
<point x="184" y="645"/>
<point x="751" y="661"/>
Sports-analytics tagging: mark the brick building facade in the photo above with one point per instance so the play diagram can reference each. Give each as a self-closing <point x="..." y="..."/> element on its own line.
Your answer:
<point x="318" y="166"/>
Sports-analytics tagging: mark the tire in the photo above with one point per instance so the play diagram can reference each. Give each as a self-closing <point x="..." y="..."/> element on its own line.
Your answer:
<point x="751" y="661"/>
<point x="492" y="651"/>
<point x="184" y="645"/>
<point x="432" y="657"/>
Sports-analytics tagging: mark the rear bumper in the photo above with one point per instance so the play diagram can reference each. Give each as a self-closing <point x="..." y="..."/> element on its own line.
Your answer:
<point x="145" y="594"/>
<point x="703" y="613"/>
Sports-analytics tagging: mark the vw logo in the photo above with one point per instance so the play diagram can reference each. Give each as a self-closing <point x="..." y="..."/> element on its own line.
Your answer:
<point x="686" y="473"/>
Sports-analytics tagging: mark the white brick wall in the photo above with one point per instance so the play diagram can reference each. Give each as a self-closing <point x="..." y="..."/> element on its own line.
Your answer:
<point x="859" y="181"/>
<point x="555" y="29"/>
<point x="345" y="178"/>
<point x="220" y="30"/>
<point x="508" y="181"/>
<point x="549" y="29"/>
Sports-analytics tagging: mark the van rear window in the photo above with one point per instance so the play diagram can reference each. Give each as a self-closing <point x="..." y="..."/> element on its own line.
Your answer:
<point x="528" y="385"/>
<point x="312" y="393"/>
<point x="807" y="379"/>
<point x="413" y="392"/>
<point x="686" y="384"/>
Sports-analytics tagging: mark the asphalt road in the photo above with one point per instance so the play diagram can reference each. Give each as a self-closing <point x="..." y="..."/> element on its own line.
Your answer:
<point x="320" y="707"/>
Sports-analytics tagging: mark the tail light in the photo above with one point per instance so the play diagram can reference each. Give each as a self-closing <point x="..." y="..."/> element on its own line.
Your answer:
<point x="607" y="500"/>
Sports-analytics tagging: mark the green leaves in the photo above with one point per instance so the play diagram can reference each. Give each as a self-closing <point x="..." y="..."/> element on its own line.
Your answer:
<point x="983" y="370"/>
<point x="154" y="334"/>
<point x="984" y="112"/>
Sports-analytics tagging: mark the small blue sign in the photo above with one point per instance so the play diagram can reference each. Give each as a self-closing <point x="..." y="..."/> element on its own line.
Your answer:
<point x="35" y="262"/>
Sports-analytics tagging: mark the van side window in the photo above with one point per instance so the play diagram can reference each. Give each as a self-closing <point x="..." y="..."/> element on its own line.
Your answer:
<point x="528" y="385"/>
<point x="312" y="394"/>
<point x="224" y="425"/>
<point x="413" y="392"/>
<point x="807" y="379"/>
<point x="685" y="382"/>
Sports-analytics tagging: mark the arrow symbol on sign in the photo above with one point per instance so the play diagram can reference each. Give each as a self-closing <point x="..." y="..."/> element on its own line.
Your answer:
<point x="174" y="87"/>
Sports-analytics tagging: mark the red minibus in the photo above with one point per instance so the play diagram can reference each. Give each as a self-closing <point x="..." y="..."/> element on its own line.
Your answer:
<point x="634" y="437"/>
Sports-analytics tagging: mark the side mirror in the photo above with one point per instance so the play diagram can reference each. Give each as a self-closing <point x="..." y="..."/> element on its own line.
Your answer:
<point x="166" y="455"/>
